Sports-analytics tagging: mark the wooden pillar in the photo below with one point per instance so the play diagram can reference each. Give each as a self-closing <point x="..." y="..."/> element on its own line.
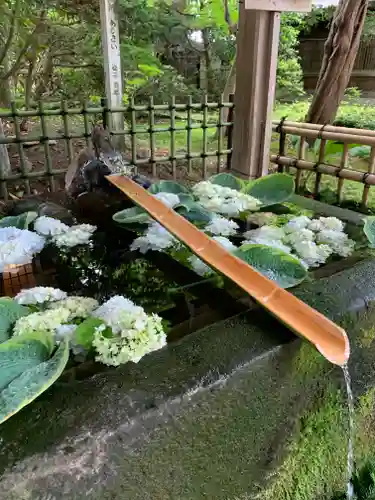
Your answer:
<point x="256" y="64"/>
<point x="112" y="63"/>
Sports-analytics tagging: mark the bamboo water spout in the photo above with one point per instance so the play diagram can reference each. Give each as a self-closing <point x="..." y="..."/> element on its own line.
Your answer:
<point x="328" y="338"/>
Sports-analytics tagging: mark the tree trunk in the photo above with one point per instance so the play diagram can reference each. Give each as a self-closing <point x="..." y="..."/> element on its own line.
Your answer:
<point x="4" y="156"/>
<point x="6" y="94"/>
<point x="209" y="86"/>
<point x="340" y="52"/>
<point x="230" y="87"/>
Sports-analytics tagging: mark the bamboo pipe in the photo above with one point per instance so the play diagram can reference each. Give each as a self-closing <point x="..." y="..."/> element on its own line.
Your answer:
<point x="326" y="128"/>
<point x="335" y="171"/>
<point x="328" y="338"/>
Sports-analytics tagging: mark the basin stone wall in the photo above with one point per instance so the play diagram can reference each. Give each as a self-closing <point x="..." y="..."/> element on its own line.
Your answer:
<point x="239" y="410"/>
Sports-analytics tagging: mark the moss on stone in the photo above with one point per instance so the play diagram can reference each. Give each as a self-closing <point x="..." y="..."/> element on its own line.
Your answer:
<point x="315" y="466"/>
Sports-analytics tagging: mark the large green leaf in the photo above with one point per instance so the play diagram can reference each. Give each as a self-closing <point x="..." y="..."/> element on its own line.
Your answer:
<point x="84" y="333"/>
<point x="32" y="382"/>
<point x="227" y="180"/>
<point x="18" y="355"/>
<point x="10" y="311"/>
<point x="167" y="187"/>
<point x="360" y="152"/>
<point x="134" y="215"/>
<point x="194" y="213"/>
<point x="369" y="230"/>
<point x="285" y="270"/>
<point x="271" y="189"/>
<point x="21" y="221"/>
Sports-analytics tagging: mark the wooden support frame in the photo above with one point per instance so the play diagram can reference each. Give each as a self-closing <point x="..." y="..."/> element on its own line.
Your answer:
<point x="256" y="64"/>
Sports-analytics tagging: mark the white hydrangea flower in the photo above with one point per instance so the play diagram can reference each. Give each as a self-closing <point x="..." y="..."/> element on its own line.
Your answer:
<point x="156" y="238"/>
<point x="221" y="226"/>
<point x="39" y="295"/>
<point x="203" y="269"/>
<point x="78" y="307"/>
<point x="297" y="223"/>
<point x="135" y="333"/>
<point x="265" y="233"/>
<point x="41" y="321"/>
<point x="76" y="235"/>
<point x="169" y="199"/>
<point x="311" y="253"/>
<point x="338" y="241"/>
<point x="224" y="200"/>
<point x="225" y="243"/>
<point x="332" y="223"/>
<point x="63" y="331"/>
<point x="261" y="218"/>
<point x="18" y="246"/>
<point x="48" y="226"/>
<point x="315" y="225"/>
<point x="301" y="235"/>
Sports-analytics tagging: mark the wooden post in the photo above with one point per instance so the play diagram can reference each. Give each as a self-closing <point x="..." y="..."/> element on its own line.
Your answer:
<point x="256" y="64"/>
<point x="112" y="63"/>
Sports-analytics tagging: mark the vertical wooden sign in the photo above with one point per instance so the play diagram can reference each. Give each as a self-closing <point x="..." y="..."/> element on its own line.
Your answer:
<point x="112" y="61"/>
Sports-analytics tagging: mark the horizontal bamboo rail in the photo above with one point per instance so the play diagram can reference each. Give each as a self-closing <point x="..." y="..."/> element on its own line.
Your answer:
<point x="326" y="128"/>
<point x="328" y="338"/>
<point x="323" y="168"/>
<point x="309" y="133"/>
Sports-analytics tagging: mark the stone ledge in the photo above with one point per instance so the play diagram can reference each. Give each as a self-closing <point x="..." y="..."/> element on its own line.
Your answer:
<point x="204" y="418"/>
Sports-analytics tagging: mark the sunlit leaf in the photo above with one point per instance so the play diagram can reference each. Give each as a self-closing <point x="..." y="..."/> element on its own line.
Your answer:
<point x="285" y="270"/>
<point x="369" y="230"/>
<point x="21" y="221"/>
<point x="227" y="180"/>
<point x="32" y="382"/>
<point x="168" y="187"/>
<point x="10" y="312"/>
<point x="134" y="215"/>
<point x="271" y="189"/>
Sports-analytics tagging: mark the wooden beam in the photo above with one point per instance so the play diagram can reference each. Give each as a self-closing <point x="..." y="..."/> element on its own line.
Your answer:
<point x="279" y="5"/>
<point x="257" y="48"/>
<point x="112" y="63"/>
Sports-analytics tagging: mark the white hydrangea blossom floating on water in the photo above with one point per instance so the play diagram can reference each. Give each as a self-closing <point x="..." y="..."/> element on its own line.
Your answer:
<point x="18" y="246"/>
<point x="221" y="226"/>
<point x="313" y="241"/>
<point x="76" y="235"/>
<point x="64" y="236"/>
<point x="203" y="269"/>
<point x="224" y="200"/>
<point x="48" y="226"/>
<point x="134" y="333"/>
<point x="156" y="238"/>
<point x="169" y="199"/>
<point x="40" y="295"/>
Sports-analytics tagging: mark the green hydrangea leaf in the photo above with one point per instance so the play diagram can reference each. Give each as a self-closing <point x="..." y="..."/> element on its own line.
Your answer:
<point x="18" y="355"/>
<point x="271" y="189"/>
<point x="194" y="212"/>
<point x="84" y="333"/>
<point x="227" y="180"/>
<point x="133" y="215"/>
<point x="21" y="221"/>
<point x="167" y="187"/>
<point x="31" y="383"/>
<point x="285" y="270"/>
<point x="10" y="312"/>
<point x="369" y="230"/>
